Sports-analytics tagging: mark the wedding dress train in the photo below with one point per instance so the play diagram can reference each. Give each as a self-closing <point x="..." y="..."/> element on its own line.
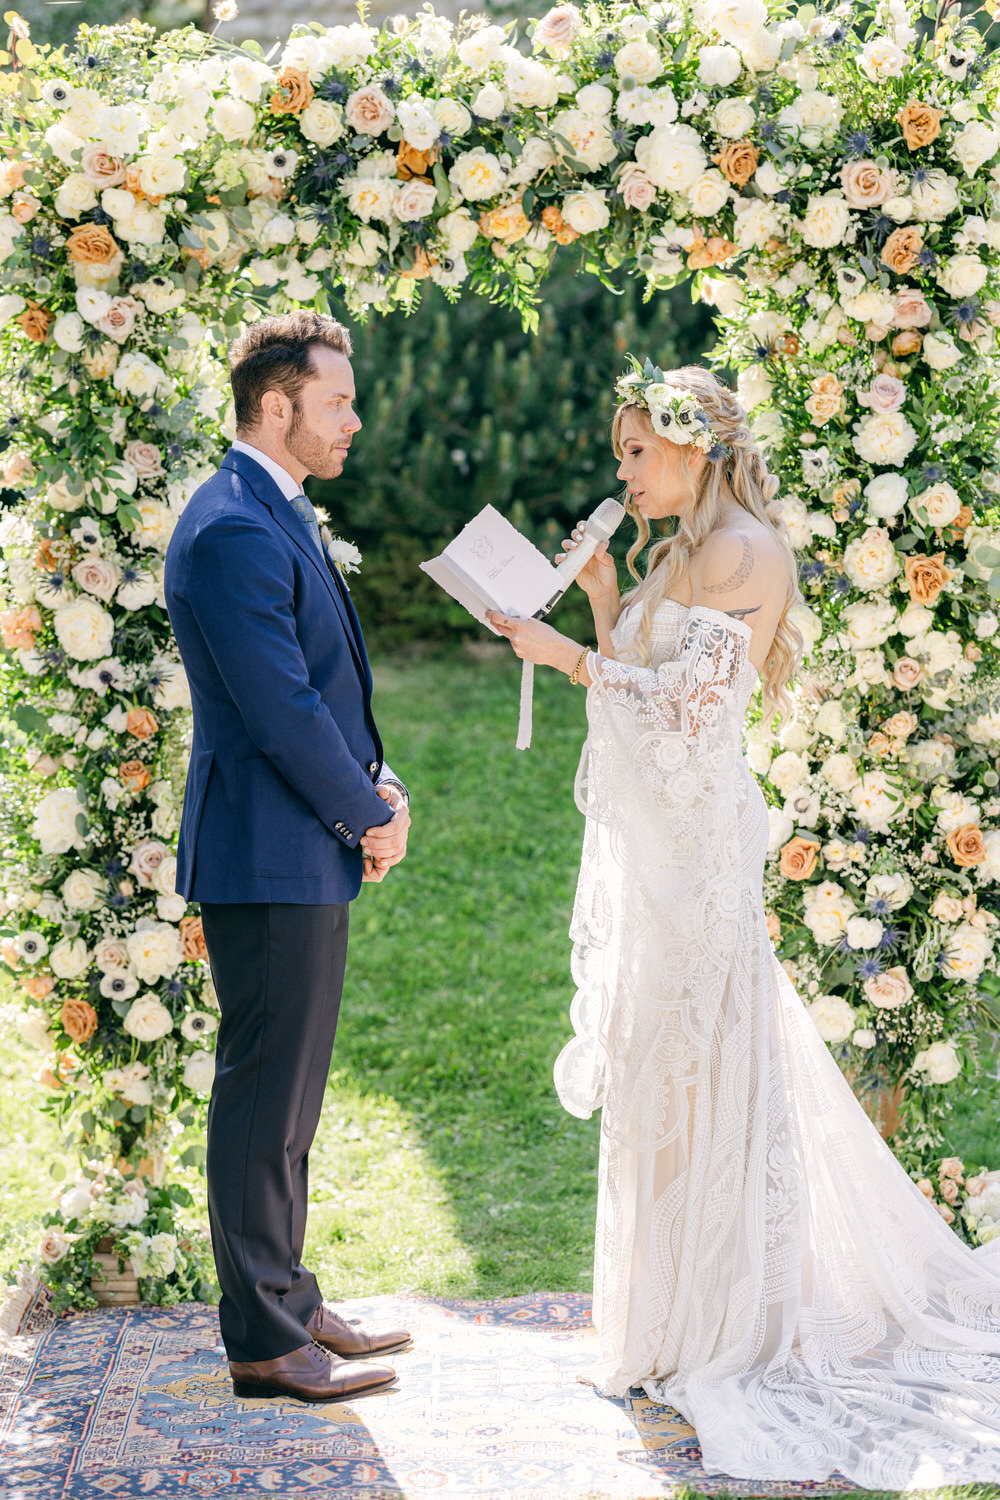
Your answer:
<point x="762" y="1263"/>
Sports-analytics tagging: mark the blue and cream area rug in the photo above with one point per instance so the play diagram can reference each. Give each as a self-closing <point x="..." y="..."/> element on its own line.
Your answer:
<point x="135" y="1402"/>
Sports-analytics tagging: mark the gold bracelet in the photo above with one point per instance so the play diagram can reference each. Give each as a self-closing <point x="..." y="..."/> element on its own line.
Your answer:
<point x="574" y="676"/>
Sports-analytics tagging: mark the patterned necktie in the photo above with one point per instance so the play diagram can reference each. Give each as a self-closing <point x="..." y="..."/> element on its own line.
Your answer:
<point x="303" y="509"/>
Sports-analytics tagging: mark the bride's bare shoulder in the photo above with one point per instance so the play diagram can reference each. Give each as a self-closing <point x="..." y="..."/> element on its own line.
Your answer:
<point x="740" y="570"/>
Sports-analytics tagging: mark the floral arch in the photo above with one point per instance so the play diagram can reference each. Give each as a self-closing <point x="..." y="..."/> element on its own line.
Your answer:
<point x="832" y="185"/>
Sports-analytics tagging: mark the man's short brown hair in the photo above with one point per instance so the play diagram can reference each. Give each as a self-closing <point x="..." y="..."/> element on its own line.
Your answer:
<point x="276" y="355"/>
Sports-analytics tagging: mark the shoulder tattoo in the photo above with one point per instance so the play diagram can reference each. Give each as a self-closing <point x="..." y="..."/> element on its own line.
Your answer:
<point x="743" y="570"/>
<point x="741" y="614"/>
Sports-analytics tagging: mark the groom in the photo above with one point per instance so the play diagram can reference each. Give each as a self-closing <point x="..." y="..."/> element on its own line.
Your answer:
<point x="288" y="807"/>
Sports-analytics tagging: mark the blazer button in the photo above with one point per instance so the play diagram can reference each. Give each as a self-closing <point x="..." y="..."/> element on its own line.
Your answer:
<point x="373" y="767"/>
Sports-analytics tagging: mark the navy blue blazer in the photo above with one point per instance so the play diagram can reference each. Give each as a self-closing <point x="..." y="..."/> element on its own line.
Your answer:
<point x="285" y="753"/>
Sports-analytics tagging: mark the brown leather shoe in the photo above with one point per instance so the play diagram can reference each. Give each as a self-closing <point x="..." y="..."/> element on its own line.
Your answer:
<point x="350" y="1340"/>
<point x="308" y="1374"/>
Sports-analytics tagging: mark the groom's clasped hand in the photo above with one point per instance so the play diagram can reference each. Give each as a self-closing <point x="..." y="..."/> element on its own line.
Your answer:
<point x="385" y="845"/>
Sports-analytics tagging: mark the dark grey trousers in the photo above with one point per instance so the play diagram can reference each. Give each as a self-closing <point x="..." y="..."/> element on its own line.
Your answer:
<point x="279" y="972"/>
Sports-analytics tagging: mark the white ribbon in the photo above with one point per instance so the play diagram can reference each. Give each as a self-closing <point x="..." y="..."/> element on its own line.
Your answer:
<point x="524" y="718"/>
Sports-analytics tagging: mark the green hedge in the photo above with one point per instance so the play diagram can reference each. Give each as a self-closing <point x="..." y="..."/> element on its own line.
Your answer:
<point x="461" y="409"/>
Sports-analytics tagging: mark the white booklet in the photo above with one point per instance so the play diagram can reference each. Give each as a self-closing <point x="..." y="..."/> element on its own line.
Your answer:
<point x="490" y="565"/>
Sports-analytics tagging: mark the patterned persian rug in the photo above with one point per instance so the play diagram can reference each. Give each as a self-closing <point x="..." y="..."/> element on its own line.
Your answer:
<point x="125" y="1403"/>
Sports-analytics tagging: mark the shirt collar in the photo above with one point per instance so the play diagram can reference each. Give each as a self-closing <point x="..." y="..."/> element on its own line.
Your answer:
<point x="281" y="477"/>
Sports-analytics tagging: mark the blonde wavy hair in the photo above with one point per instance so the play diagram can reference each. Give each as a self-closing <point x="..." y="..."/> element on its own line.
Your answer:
<point x="745" y="471"/>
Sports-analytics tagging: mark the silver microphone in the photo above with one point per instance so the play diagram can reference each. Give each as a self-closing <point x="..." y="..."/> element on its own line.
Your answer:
<point x="598" y="528"/>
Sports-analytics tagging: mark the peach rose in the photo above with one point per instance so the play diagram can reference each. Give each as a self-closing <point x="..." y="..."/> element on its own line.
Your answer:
<point x="925" y="576"/>
<point x="951" y="1167"/>
<point x="911" y="309"/>
<point x="960" y="523"/>
<point x="79" y="1020"/>
<point x="563" y="233"/>
<point x="637" y="190"/>
<point x="36" y="322"/>
<point x="773" y="924"/>
<point x="966" y="845"/>
<point x="906" y="672"/>
<point x="921" y="124"/>
<point x="865" y="184"/>
<point x="901" y="250"/>
<point x="556" y="30"/>
<point x="926" y="1187"/>
<point x="24" y="207"/>
<point x="878" y="744"/>
<point x="413" y="163"/>
<point x="193" y="938"/>
<point x="141" y="724"/>
<point x="901" y="725"/>
<point x="147" y="857"/>
<point x="134" y="775"/>
<point x="507" y="223"/>
<point x="119" y="320"/>
<point x="99" y="168"/>
<point x="798" y="858"/>
<point x="19" y="627"/>
<point x="145" y="458"/>
<point x="738" y="162"/>
<point x="368" y="111"/>
<point x="949" y="1191"/>
<point x="710" y="252"/>
<point x="825" y="401"/>
<point x="293" y="92"/>
<point x="907" y="342"/>
<point x="38" y="985"/>
<point x="92" y="245"/>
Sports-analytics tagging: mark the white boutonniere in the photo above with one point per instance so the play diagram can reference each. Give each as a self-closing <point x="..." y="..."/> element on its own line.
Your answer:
<point x="344" y="555"/>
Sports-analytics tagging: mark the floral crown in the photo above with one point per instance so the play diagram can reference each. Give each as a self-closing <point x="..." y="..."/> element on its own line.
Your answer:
<point x="674" y="412"/>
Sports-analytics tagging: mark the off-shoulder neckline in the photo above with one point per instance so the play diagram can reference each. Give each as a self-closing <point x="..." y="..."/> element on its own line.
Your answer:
<point x="740" y="626"/>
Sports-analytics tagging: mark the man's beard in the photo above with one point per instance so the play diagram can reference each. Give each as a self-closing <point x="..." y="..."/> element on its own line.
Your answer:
<point x="317" y="457"/>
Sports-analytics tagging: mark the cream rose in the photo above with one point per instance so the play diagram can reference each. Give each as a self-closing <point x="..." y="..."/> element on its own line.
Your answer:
<point x="975" y="145"/>
<point x="69" y="958"/>
<point x="586" y="211"/>
<point x="672" y="157"/>
<point x="477" y="174"/>
<point x="887" y="494"/>
<point x="147" y="1019"/>
<point x="234" y="119"/>
<point x="884" y="438"/>
<point x="962" y="276"/>
<point x="83" y="890"/>
<point x="833" y="1018"/>
<point x="154" y="950"/>
<point x="707" y="194"/>
<point x="890" y="990"/>
<point x="719" y="66"/>
<point x="639" y="60"/>
<point x="95" y="575"/>
<point x="199" y="1071"/>
<point x="870" y="561"/>
<point x="825" y="221"/>
<point x="55" y="822"/>
<point x="733" y="119"/>
<point x="368" y="111"/>
<point x="876" y="801"/>
<point x="935" y="196"/>
<point x="940" y="1062"/>
<point x="322" y="122"/>
<point x="110" y="954"/>
<point x="84" y="629"/>
<point x="53" y="1246"/>
<point x="414" y="200"/>
<point x="840" y="771"/>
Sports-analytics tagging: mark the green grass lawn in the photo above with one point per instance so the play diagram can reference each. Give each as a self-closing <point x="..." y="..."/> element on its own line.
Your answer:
<point x="444" y="1163"/>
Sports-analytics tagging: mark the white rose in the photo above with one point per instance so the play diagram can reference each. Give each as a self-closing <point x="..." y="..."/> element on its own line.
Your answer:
<point x="169" y="683"/>
<point x="868" y="625"/>
<point x="234" y="119"/>
<point x="864" y="932"/>
<point x="832" y="1017"/>
<point x="458" y="230"/>
<point x="864" y="1038"/>
<point x="490" y="102"/>
<point x="419" y="126"/>
<point x="733" y="118"/>
<point x="762" y="51"/>
<point x="738" y="21"/>
<point x="890" y="990"/>
<point x="935" y="196"/>
<point x="480" y="50"/>
<point x="870" y="561"/>
<point x="966" y="952"/>
<point x="199" y="1071"/>
<point x="883" y="437"/>
<point x="83" y="890"/>
<point x="708" y="194"/>
<point x="639" y="60"/>
<point x="818" y="111"/>
<point x="69" y="958"/>
<point x="880" y="58"/>
<point x="55" y="822"/>
<point x="76" y="196"/>
<point x="894" y="890"/>
<point x="887" y="494"/>
<point x="830" y="720"/>
<point x="67" y="332"/>
<point x="154" y="949"/>
<point x="840" y="771"/>
<point x="975" y="145"/>
<point x="414" y="200"/>
<point x="586" y="211"/>
<point x="954" y="809"/>
<point x="160" y="173"/>
<point x="940" y="1062"/>
<point x="595" y="99"/>
<point x="137" y="375"/>
<point x="531" y="84"/>
<point x="962" y="275"/>
<point x="781" y="826"/>
<point x="810" y="627"/>
<point x="147" y="1019"/>
<point x="33" y="1028"/>
<point x="988" y="872"/>
<point x="719" y="66"/>
<point x="826" y="218"/>
<point x="987" y="625"/>
<point x="788" y="771"/>
<point x="452" y="117"/>
<point x="84" y="629"/>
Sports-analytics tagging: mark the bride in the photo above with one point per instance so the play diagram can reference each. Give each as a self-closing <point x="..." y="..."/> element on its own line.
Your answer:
<point x="763" y="1264"/>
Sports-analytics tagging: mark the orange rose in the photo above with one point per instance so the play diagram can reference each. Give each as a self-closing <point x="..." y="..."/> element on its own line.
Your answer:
<point x="563" y="233"/>
<point x="422" y="265"/>
<point x="9" y="953"/>
<point x="925" y="577"/>
<point x="878" y="744"/>
<point x="901" y="250"/>
<point x="293" y="93"/>
<point x="92" y="245"/>
<point x="710" y="252"/>
<point x="141" y="724"/>
<point x="38" y="985"/>
<point x="773" y="923"/>
<point x="826" y="399"/>
<point x="413" y="163"/>
<point x="133" y="182"/>
<point x="507" y="223"/>
<point x="192" y="938"/>
<point x="966" y="845"/>
<point x="79" y="1020"/>
<point x="907" y="342"/>
<point x="36" y="322"/>
<point x="798" y="858"/>
<point x="19" y="627"/>
<point x="134" y="775"/>
<point x="959" y="524"/>
<point x="738" y="161"/>
<point x="921" y="124"/>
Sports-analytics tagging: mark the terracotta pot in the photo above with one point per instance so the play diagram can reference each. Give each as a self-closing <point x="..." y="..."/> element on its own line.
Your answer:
<point x="113" y="1287"/>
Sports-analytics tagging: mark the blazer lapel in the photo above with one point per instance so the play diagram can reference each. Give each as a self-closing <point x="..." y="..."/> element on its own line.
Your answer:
<point x="267" y="492"/>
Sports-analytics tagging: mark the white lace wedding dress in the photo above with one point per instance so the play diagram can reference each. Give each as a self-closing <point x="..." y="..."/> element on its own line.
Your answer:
<point x="763" y="1263"/>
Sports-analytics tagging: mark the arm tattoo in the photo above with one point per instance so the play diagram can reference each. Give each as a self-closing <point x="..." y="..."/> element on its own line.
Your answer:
<point x="743" y="570"/>
<point x="741" y="614"/>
